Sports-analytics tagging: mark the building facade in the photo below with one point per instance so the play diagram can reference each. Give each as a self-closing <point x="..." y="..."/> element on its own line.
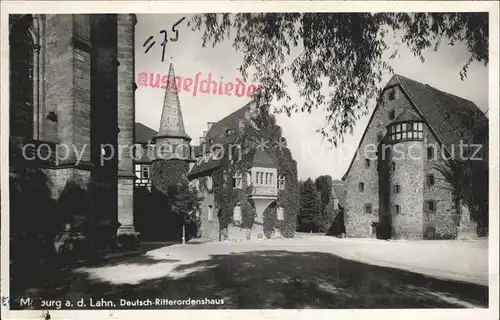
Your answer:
<point x="263" y="175"/>
<point x="72" y="103"/>
<point x="394" y="180"/>
<point x="262" y="179"/>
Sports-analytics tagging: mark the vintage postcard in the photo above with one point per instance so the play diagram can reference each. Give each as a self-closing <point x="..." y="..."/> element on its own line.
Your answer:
<point x="226" y="159"/>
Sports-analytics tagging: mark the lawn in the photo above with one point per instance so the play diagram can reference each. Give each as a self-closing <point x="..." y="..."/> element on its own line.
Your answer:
<point x="301" y="273"/>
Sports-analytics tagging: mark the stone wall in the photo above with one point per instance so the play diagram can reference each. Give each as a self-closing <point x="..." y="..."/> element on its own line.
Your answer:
<point x="357" y="221"/>
<point x="443" y="219"/>
<point x="209" y="228"/>
<point x="409" y="175"/>
<point x="126" y="120"/>
<point x="59" y="78"/>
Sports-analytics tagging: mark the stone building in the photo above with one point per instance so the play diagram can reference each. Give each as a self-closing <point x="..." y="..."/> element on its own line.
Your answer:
<point x="72" y="96"/>
<point x="394" y="180"/>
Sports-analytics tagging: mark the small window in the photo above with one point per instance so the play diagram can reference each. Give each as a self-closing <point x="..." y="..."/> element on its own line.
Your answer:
<point x="396" y="209"/>
<point x="229" y="131"/>
<point x="361" y="187"/>
<point x="393" y="165"/>
<point x="430" y="153"/>
<point x="396" y="188"/>
<point x="367" y="163"/>
<point x="210" y="213"/>
<point x="392" y="114"/>
<point x="430" y="206"/>
<point x="430" y="180"/>
<point x="145" y="172"/>
<point x="368" y="208"/>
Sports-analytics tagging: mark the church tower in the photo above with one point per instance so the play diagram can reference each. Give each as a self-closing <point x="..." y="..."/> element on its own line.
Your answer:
<point x="172" y="144"/>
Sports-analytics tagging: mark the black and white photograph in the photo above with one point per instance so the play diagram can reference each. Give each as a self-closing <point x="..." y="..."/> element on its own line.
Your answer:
<point x="249" y="156"/>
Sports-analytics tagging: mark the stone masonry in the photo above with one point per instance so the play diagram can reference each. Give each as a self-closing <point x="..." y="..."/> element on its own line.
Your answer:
<point x="83" y="98"/>
<point x="414" y="220"/>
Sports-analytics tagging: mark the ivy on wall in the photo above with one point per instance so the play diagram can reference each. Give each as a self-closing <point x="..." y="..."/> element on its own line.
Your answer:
<point x="173" y="200"/>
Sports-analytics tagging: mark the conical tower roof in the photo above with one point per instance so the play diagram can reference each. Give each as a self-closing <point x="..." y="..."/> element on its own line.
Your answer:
<point x="172" y="123"/>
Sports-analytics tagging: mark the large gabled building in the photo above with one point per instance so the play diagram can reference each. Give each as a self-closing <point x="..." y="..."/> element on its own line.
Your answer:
<point x="394" y="178"/>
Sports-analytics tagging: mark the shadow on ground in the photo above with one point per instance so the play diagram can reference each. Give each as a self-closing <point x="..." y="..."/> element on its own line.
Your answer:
<point x="276" y="279"/>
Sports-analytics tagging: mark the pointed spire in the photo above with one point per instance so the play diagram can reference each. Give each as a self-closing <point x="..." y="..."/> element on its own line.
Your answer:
<point x="172" y="123"/>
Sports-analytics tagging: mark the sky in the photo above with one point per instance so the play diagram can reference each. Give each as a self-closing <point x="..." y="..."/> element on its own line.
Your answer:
<point x="314" y="156"/>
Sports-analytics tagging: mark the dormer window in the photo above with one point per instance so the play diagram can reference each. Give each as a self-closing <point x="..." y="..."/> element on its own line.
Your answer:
<point x="406" y="131"/>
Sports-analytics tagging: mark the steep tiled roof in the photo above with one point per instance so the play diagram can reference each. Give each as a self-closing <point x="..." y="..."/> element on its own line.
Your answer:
<point x="143" y="134"/>
<point x="224" y="131"/>
<point x="218" y="134"/>
<point x="218" y="129"/>
<point x="449" y="117"/>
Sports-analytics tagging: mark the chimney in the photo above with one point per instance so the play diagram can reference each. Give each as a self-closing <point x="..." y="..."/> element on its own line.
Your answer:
<point x="204" y="134"/>
<point x="202" y="140"/>
<point x="209" y="125"/>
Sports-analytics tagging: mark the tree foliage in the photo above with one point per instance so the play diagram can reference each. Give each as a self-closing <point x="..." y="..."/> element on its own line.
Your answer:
<point x="347" y="53"/>
<point x="324" y="187"/>
<point x="173" y="202"/>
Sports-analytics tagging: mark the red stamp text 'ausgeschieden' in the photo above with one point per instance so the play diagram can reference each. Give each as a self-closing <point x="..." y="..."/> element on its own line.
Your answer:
<point x="199" y="85"/>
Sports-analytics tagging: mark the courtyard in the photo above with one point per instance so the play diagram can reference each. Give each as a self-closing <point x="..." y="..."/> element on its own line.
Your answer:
<point x="311" y="271"/>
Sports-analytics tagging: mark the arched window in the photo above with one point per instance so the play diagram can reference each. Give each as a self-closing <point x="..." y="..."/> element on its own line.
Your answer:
<point x="21" y="53"/>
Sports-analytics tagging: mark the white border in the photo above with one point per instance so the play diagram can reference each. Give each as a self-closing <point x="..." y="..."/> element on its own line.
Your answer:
<point x="141" y="7"/>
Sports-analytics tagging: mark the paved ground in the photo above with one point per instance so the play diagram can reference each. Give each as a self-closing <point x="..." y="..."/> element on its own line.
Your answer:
<point x="308" y="272"/>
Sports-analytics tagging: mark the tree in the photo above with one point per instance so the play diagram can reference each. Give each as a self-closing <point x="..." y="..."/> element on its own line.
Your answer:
<point x="185" y="205"/>
<point x="310" y="205"/>
<point x="345" y="52"/>
<point x="324" y="187"/>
